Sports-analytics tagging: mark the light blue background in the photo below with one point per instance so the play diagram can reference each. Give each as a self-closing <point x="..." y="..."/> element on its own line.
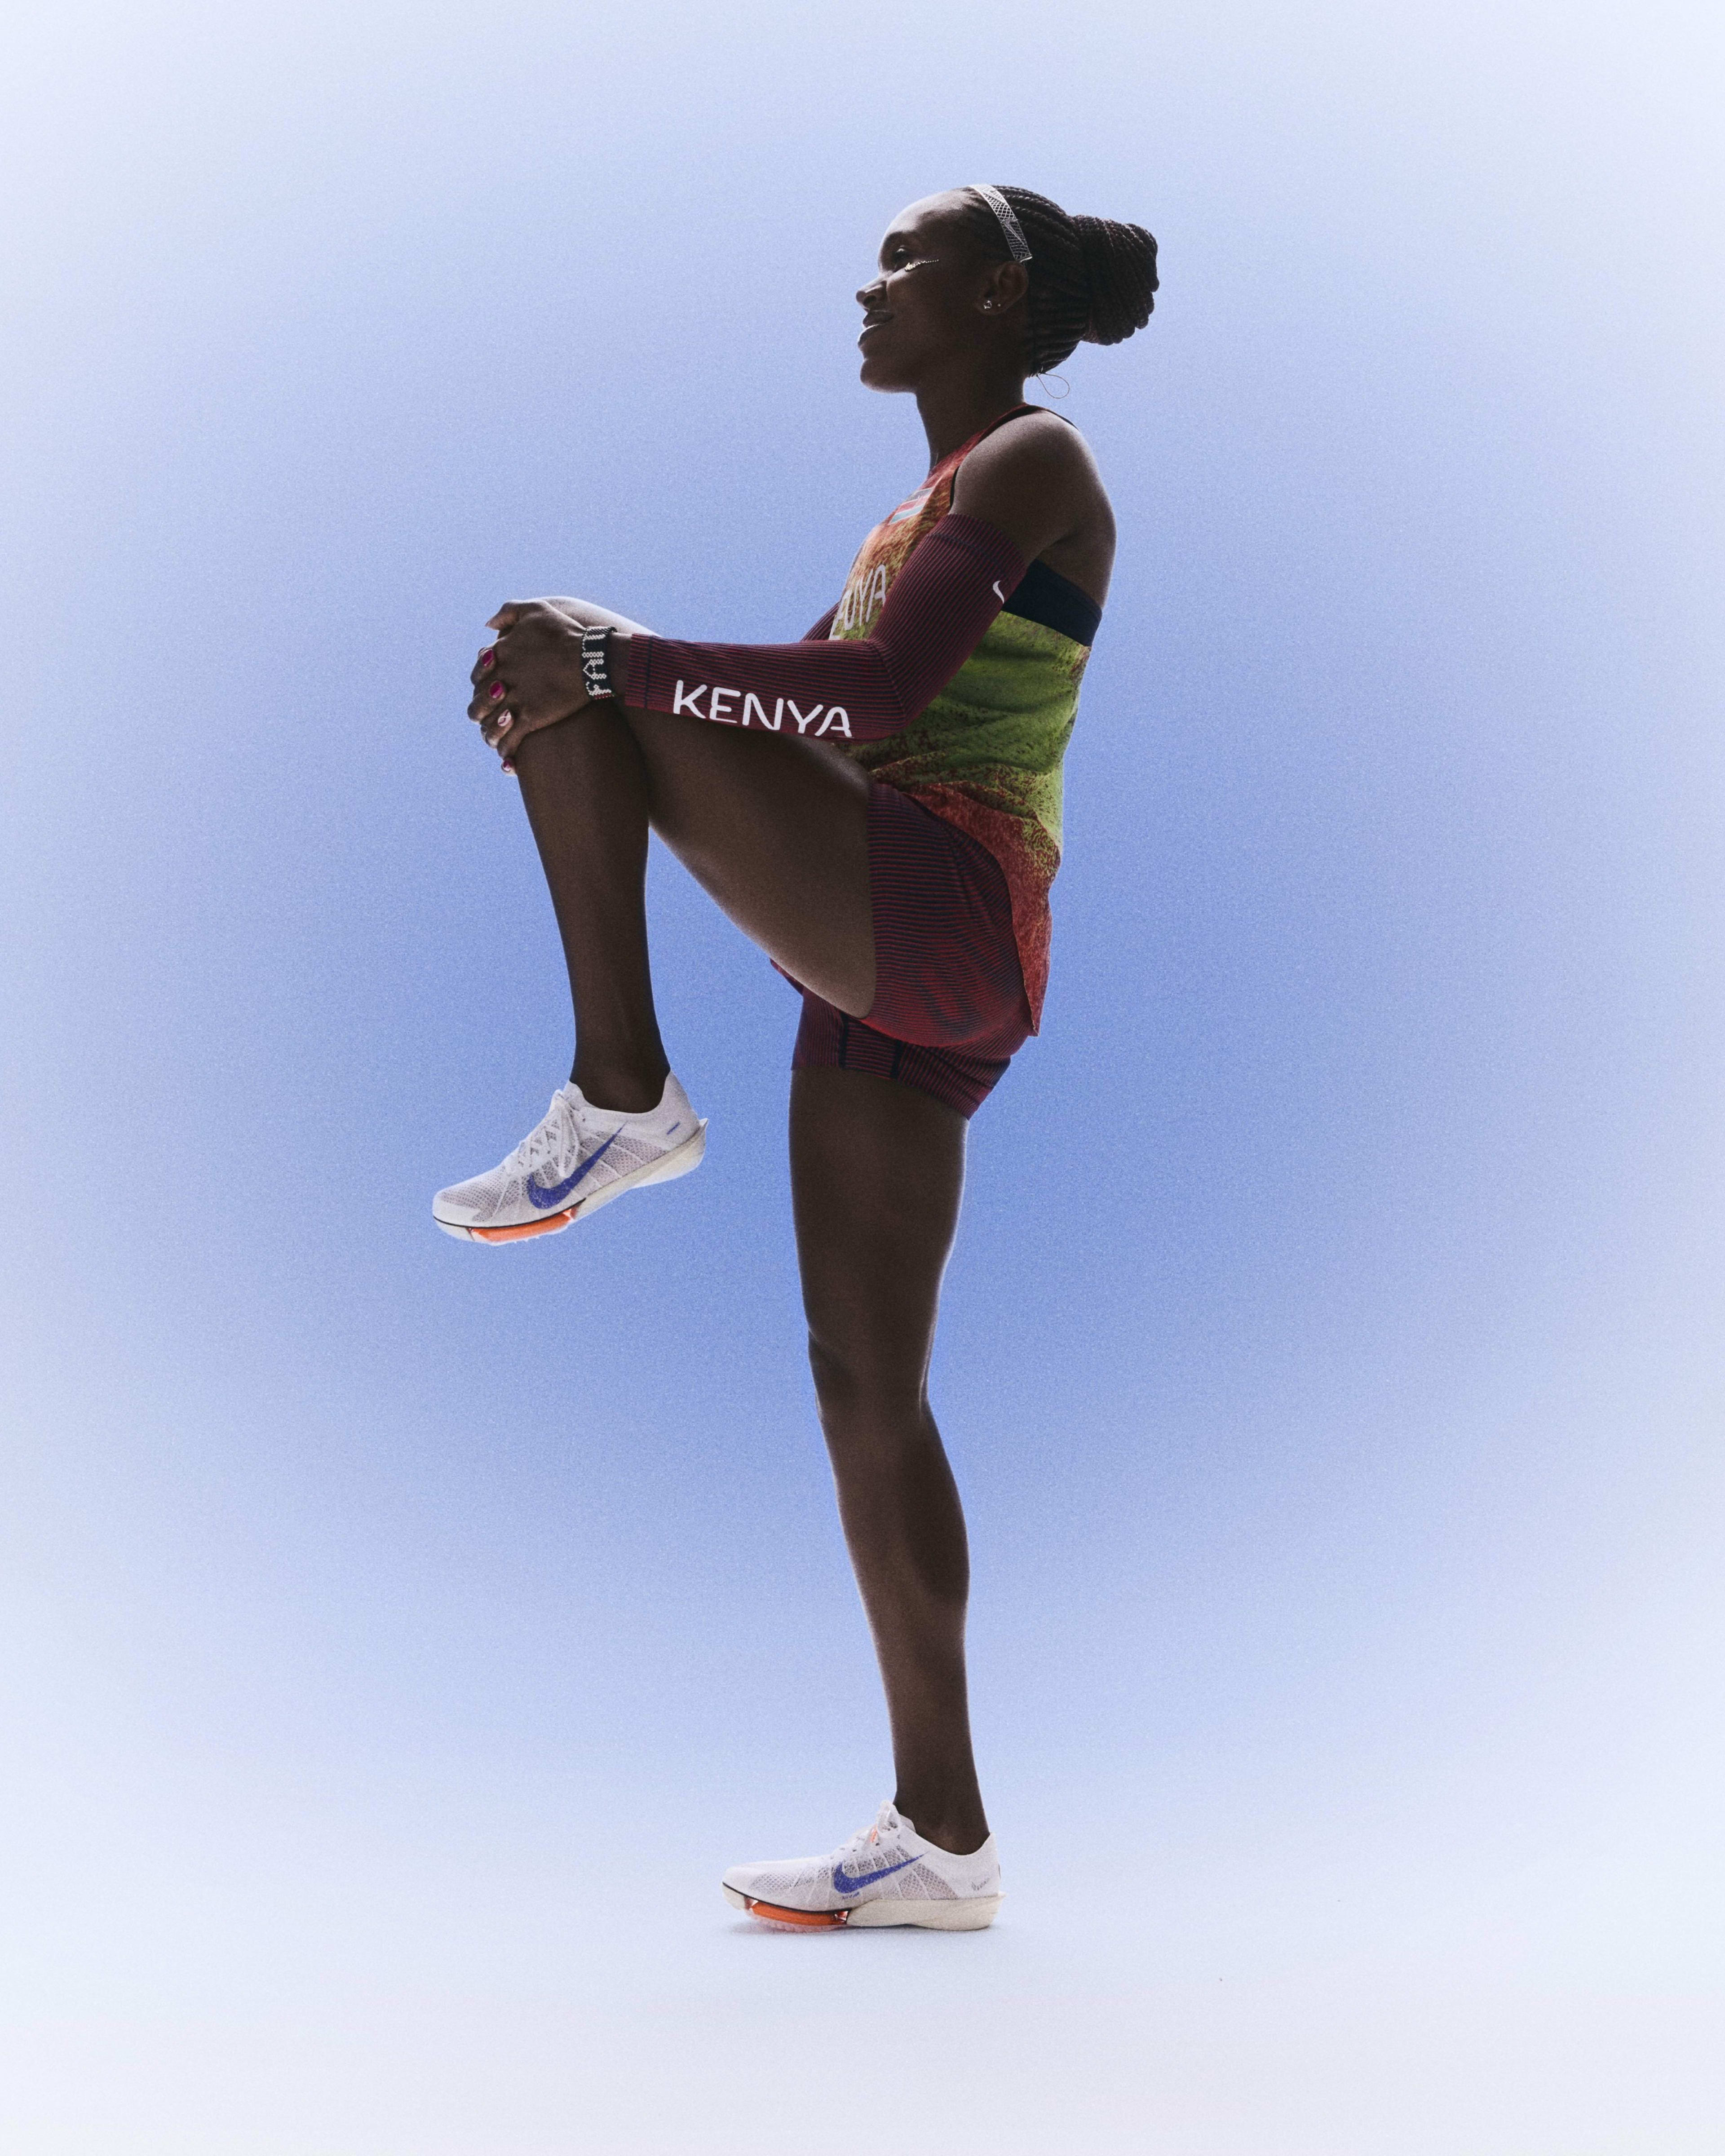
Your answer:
<point x="398" y="1638"/>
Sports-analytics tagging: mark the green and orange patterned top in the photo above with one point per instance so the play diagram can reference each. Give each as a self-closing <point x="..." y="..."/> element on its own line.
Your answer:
<point x="986" y="754"/>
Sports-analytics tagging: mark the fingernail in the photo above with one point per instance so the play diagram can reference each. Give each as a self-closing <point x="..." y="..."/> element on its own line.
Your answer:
<point x="505" y="722"/>
<point x="496" y="692"/>
<point x="509" y="770"/>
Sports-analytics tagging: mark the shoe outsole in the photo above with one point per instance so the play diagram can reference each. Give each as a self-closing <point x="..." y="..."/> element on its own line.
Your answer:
<point x="682" y="1160"/>
<point x="974" y="1915"/>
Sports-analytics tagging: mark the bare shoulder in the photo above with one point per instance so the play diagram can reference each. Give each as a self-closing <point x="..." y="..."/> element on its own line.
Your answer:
<point x="1039" y="445"/>
<point x="1037" y="480"/>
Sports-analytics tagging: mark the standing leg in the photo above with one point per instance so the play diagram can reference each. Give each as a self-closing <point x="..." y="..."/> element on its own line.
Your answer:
<point x="877" y="1171"/>
<point x="585" y="789"/>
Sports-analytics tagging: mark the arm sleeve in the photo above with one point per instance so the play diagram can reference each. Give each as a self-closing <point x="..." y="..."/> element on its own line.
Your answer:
<point x="955" y="583"/>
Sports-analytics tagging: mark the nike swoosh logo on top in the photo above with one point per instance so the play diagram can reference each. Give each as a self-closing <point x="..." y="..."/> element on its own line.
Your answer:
<point x="539" y="1195"/>
<point x="842" y="1883"/>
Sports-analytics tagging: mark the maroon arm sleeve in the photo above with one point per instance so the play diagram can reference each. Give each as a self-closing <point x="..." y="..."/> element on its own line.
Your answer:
<point x="852" y="689"/>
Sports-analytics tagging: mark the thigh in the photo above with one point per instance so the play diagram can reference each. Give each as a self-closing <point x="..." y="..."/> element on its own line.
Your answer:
<point x="877" y="1172"/>
<point x="776" y="830"/>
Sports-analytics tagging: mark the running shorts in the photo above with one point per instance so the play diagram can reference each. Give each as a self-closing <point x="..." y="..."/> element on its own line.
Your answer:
<point x="949" y="1009"/>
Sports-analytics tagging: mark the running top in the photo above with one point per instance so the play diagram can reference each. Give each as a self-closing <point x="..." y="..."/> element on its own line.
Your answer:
<point x="948" y="670"/>
<point x="986" y="752"/>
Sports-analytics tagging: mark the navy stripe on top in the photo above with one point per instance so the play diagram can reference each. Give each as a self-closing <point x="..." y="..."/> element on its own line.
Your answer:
<point x="1045" y="595"/>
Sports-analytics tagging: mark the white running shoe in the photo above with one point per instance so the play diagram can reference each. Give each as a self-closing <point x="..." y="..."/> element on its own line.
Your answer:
<point x="578" y="1158"/>
<point x="885" y="1875"/>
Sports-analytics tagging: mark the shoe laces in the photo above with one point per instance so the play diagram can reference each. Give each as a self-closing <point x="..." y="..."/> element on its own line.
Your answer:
<point x="866" y="1838"/>
<point x="555" y="1140"/>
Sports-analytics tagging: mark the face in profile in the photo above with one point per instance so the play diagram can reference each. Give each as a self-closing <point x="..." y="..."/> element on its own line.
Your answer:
<point x="926" y="302"/>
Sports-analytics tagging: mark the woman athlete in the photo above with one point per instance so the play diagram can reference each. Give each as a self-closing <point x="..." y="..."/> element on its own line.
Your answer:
<point x="878" y="806"/>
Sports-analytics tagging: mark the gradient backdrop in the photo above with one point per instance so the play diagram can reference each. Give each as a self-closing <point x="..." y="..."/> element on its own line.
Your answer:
<point x="398" y="1638"/>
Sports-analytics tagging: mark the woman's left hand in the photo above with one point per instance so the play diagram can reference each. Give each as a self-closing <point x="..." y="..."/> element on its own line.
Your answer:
<point x="530" y="677"/>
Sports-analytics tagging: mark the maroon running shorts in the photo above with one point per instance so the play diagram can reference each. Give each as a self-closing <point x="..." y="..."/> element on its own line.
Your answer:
<point x="949" y="1009"/>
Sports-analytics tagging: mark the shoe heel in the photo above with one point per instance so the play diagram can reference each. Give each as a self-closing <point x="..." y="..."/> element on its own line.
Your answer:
<point x="686" y="1158"/>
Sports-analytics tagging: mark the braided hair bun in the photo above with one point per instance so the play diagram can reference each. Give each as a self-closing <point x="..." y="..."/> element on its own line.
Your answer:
<point x="1091" y="280"/>
<point x="1120" y="269"/>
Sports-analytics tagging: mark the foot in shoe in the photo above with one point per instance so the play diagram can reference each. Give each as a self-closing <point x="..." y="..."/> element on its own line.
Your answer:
<point x="578" y="1158"/>
<point x="885" y="1875"/>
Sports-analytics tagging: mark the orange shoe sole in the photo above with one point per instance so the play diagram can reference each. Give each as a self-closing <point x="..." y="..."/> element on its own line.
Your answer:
<point x="797" y="1920"/>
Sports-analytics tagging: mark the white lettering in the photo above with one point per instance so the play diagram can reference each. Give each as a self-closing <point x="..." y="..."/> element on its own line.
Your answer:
<point x="803" y="724"/>
<point x="716" y="709"/>
<point x="999" y="594"/>
<point x="839" y="719"/>
<point x="863" y="596"/>
<point x="691" y="702"/>
<point x="751" y="702"/>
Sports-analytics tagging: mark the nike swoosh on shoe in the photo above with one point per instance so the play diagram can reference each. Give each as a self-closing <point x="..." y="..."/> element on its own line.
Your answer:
<point x="539" y="1195"/>
<point x="842" y="1883"/>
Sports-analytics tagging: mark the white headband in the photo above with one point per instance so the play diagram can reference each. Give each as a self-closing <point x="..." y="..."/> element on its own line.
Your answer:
<point x="996" y="202"/>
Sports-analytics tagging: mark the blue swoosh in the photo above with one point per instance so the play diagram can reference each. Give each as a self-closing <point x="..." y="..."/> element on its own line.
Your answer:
<point x="842" y="1883"/>
<point x="538" y="1195"/>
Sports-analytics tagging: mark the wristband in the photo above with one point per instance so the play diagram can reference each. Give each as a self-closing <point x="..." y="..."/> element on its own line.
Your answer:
<point x="596" y="662"/>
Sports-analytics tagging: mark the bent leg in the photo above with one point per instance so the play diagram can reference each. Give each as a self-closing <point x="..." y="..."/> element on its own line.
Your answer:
<point x="877" y="1171"/>
<point x="775" y="829"/>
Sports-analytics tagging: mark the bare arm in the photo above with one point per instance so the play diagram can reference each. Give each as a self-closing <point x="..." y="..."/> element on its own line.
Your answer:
<point x="1037" y="481"/>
